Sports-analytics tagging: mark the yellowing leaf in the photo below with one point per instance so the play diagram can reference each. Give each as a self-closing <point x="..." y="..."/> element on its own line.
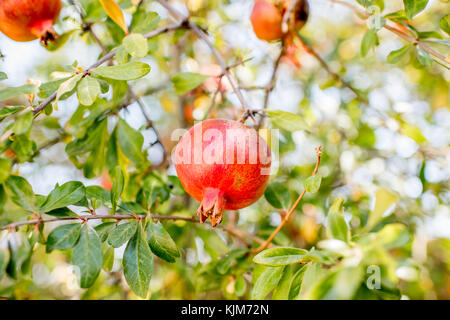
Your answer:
<point x="115" y="13"/>
<point x="384" y="200"/>
<point x="413" y="132"/>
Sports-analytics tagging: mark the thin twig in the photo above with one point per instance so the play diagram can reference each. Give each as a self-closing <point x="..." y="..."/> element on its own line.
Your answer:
<point x="396" y="31"/>
<point x="107" y="57"/>
<point x="294" y="206"/>
<point x="201" y="34"/>
<point x="327" y="68"/>
<point x="231" y="230"/>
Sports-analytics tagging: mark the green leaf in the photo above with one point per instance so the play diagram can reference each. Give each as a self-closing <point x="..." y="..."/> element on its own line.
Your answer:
<point x="23" y="122"/>
<point x="281" y="291"/>
<point x="369" y="40"/>
<point x="88" y="90"/>
<point x="240" y="286"/>
<point x="276" y="257"/>
<point x="396" y="55"/>
<point x="224" y="265"/>
<point x="20" y="192"/>
<point x="48" y="88"/>
<point x="99" y="195"/>
<point x="5" y="169"/>
<point x="3" y="76"/>
<point x="296" y="283"/>
<point x="266" y="282"/>
<point x="287" y="120"/>
<point x="383" y="201"/>
<point x="413" y="7"/>
<point x="393" y="235"/>
<point x="63" y="237"/>
<point x="108" y="257"/>
<point x="104" y="229"/>
<point x="187" y="81"/>
<point x="138" y="264"/>
<point x="23" y="147"/>
<point x="445" y="24"/>
<point x="4" y="260"/>
<point x="87" y="256"/>
<point x="129" y="71"/>
<point x="130" y="141"/>
<point x="68" y="86"/>
<point x="424" y="57"/>
<point x="9" y="93"/>
<point x="161" y="243"/>
<point x="278" y="195"/>
<point x="9" y="110"/>
<point x="117" y="186"/>
<point x="122" y="233"/>
<point x="336" y="226"/>
<point x="61" y="212"/>
<point x="136" y="45"/>
<point x="312" y="184"/>
<point x="143" y="21"/>
<point x="62" y="196"/>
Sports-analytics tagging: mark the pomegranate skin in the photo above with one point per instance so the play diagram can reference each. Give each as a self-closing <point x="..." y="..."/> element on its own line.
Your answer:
<point x="266" y="20"/>
<point x="214" y="174"/>
<point x="26" y="20"/>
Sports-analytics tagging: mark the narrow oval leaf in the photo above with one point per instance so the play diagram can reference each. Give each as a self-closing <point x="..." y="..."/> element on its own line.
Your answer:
<point x="115" y="13"/>
<point x="161" y="243"/>
<point x="68" y="194"/>
<point x="20" y="192"/>
<point x="279" y="256"/>
<point x="312" y="184"/>
<point x="369" y="40"/>
<point x="122" y="233"/>
<point x="23" y="122"/>
<point x="129" y="71"/>
<point x="336" y="226"/>
<point x="413" y="7"/>
<point x="130" y="141"/>
<point x="187" y="81"/>
<point x="63" y="237"/>
<point x="266" y="282"/>
<point x="117" y="186"/>
<point x="9" y="110"/>
<point x="87" y="256"/>
<point x="68" y="86"/>
<point x="287" y="120"/>
<point x="9" y="93"/>
<point x="138" y="264"/>
<point x="88" y="90"/>
<point x="396" y="55"/>
<point x="278" y="195"/>
<point x="104" y="229"/>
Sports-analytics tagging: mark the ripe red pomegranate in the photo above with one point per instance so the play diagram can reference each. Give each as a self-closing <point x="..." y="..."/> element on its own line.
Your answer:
<point x="224" y="165"/>
<point x="266" y="20"/>
<point x="26" y="20"/>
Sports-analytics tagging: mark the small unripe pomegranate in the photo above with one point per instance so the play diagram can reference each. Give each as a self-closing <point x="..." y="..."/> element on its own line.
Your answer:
<point x="106" y="181"/>
<point x="224" y="165"/>
<point x="26" y="20"/>
<point x="266" y="20"/>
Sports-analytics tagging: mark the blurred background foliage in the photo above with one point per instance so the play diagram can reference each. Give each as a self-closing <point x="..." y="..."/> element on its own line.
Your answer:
<point x="385" y="154"/>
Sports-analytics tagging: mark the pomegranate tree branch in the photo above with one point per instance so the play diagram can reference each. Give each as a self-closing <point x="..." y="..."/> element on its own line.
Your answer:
<point x="327" y="68"/>
<point x="292" y="209"/>
<point x="202" y="35"/>
<point x="398" y="32"/>
<point x="107" y="57"/>
<point x="230" y="230"/>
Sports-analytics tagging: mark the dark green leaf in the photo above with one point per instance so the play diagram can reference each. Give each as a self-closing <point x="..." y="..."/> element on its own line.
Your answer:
<point x="280" y="256"/>
<point x="63" y="237"/>
<point x="122" y="233"/>
<point x="138" y="264"/>
<point x="87" y="256"/>
<point x="131" y="141"/>
<point x="266" y="282"/>
<point x="161" y="243"/>
<point x="62" y="196"/>
<point x="104" y="229"/>
<point x="278" y="195"/>
<point x="117" y="186"/>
